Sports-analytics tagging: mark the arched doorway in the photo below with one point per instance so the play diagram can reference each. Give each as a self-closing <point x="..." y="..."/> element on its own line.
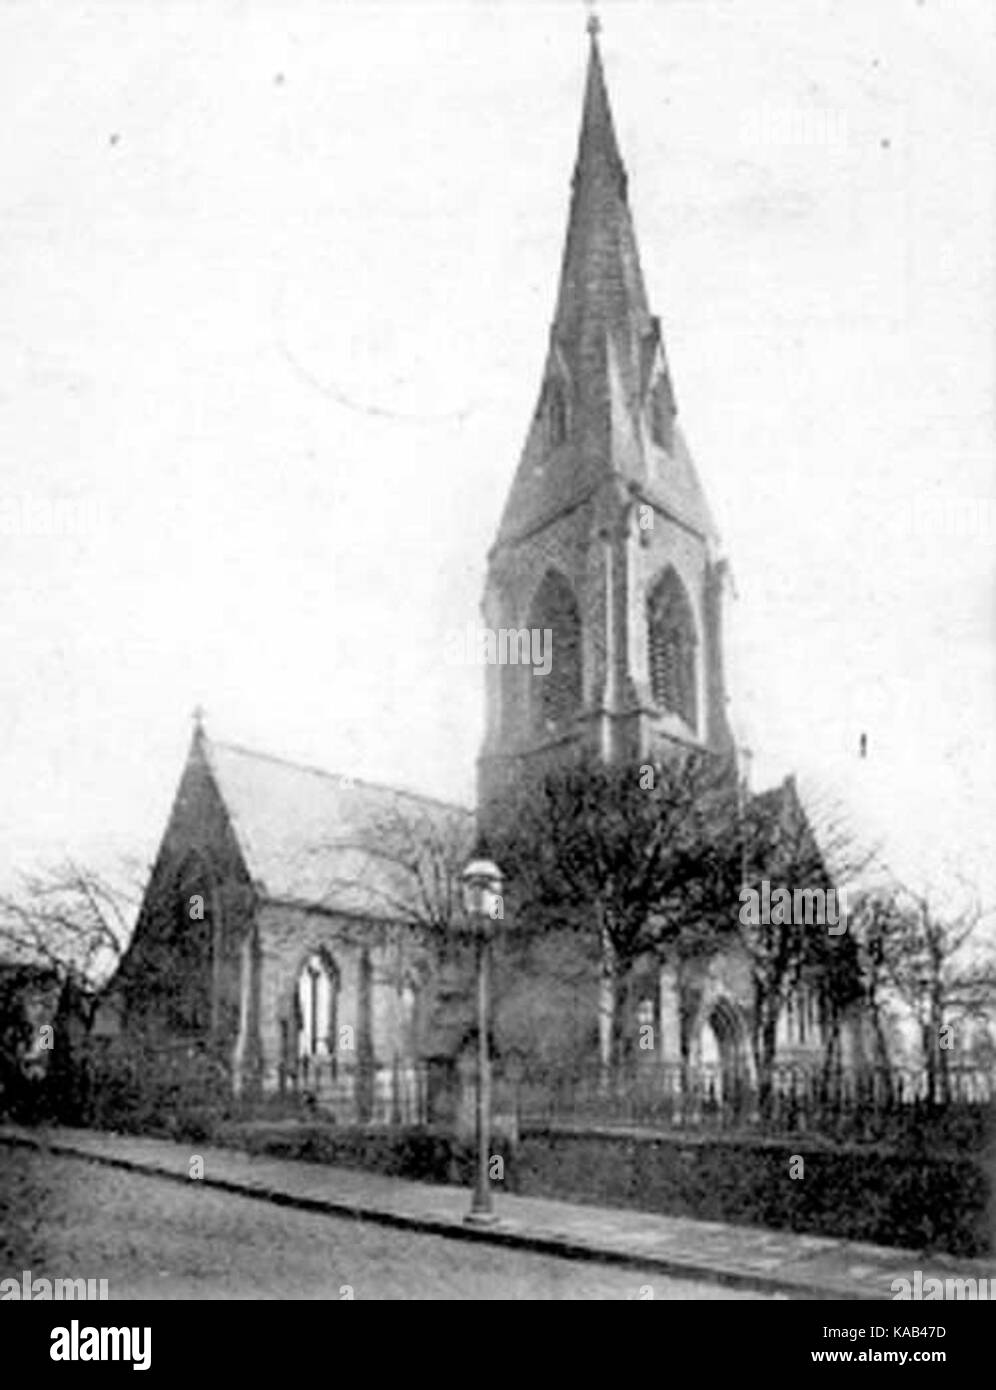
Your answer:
<point x="723" y="1055"/>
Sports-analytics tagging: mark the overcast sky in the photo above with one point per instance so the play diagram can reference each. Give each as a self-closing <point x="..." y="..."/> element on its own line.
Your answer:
<point x="275" y="287"/>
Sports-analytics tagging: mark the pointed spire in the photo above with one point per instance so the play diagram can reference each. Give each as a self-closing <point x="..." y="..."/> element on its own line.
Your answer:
<point x="602" y="293"/>
<point x="600" y="272"/>
<point x="598" y="136"/>
<point x="606" y="394"/>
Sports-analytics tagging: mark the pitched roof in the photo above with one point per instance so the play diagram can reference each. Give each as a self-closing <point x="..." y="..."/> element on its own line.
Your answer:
<point x="319" y="839"/>
<point x="847" y="839"/>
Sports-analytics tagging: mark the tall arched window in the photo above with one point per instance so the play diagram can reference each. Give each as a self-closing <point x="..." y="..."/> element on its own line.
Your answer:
<point x="556" y="696"/>
<point x="317" y="999"/>
<point x="672" y="648"/>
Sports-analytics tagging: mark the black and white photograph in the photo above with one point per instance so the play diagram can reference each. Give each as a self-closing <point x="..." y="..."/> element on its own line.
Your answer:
<point x="498" y="681"/>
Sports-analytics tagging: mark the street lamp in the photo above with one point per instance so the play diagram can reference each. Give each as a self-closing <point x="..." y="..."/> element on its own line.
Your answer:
<point x="482" y="885"/>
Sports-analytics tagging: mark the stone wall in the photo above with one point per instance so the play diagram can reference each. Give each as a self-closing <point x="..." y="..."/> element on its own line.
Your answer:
<point x="378" y="974"/>
<point x="174" y="952"/>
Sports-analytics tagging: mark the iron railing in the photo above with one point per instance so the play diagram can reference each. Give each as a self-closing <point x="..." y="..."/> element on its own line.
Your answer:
<point x="351" y="1093"/>
<point x="858" y="1104"/>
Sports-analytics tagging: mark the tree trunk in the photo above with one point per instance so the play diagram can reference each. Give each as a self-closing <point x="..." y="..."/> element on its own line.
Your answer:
<point x="622" y="1030"/>
<point x="940" y="1053"/>
<point x="765" y="1042"/>
<point x="607" y="1010"/>
<point x="882" y="1051"/>
<point x="831" y="1052"/>
<point x="930" y="1060"/>
<point x="689" y="1002"/>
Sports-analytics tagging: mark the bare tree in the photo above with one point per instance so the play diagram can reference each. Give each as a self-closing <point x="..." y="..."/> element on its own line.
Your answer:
<point x="795" y="850"/>
<point x="933" y="960"/>
<point x="871" y="924"/>
<point x="402" y="863"/>
<point x="406" y="857"/>
<point x="63" y="930"/>
<point x="71" y="919"/>
<point x="613" y="851"/>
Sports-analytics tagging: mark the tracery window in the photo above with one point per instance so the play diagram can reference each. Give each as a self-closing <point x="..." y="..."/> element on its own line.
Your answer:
<point x="556" y="696"/>
<point x="316" y="1007"/>
<point x="672" y="648"/>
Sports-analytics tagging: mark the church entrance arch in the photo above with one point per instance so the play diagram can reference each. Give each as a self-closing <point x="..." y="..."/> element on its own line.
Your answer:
<point x="723" y="1051"/>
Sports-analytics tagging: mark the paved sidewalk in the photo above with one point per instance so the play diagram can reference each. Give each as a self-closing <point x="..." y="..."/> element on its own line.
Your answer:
<point x="746" y="1257"/>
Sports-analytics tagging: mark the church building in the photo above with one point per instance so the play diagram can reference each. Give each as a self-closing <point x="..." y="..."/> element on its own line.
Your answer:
<point x="607" y="543"/>
<point x="270" y="925"/>
<point x="275" y="934"/>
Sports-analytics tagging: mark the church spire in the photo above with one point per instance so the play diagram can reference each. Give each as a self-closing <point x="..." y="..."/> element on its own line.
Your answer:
<point x="605" y="540"/>
<point x="606" y="388"/>
<point x="598" y="136"/>
<point x="601" y="265"/>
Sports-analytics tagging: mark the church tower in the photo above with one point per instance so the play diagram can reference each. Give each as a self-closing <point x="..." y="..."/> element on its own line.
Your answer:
<point x="606" y="541"/>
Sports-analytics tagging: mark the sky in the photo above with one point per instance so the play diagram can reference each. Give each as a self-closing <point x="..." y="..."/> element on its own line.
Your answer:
<point x="276" y="283"/>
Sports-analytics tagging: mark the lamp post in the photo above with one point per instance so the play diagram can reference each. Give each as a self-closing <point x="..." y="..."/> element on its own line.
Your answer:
<point x="482" y="885"/>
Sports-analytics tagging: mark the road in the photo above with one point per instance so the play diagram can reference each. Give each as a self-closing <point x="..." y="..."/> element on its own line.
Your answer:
<point x="150" y="1238"/>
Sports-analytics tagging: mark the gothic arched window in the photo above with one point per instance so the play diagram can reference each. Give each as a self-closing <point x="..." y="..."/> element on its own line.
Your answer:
<point x="316" y="1008"/>
<point x="556" y="696"/>
<point x="672" y="648"/>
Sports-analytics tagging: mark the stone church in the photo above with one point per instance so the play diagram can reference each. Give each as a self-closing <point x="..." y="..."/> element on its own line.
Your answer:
<point x="273" y="932"/>
<point x="268" y="923"/>
<point x="607" y="541"/>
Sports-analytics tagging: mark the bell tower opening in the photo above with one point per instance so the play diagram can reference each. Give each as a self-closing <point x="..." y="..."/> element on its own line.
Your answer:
<point x="556" y="697"/>
<point x="672" y="646"/>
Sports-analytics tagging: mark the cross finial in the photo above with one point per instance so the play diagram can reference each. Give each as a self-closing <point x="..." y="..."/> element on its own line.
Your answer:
<point x="594" y="25"/>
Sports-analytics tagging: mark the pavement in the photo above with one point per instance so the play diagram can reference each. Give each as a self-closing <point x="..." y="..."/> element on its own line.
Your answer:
<point x="741" y="1257"/>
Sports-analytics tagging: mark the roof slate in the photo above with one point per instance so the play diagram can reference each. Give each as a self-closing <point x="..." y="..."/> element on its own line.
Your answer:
<point x="318" y="839"/>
